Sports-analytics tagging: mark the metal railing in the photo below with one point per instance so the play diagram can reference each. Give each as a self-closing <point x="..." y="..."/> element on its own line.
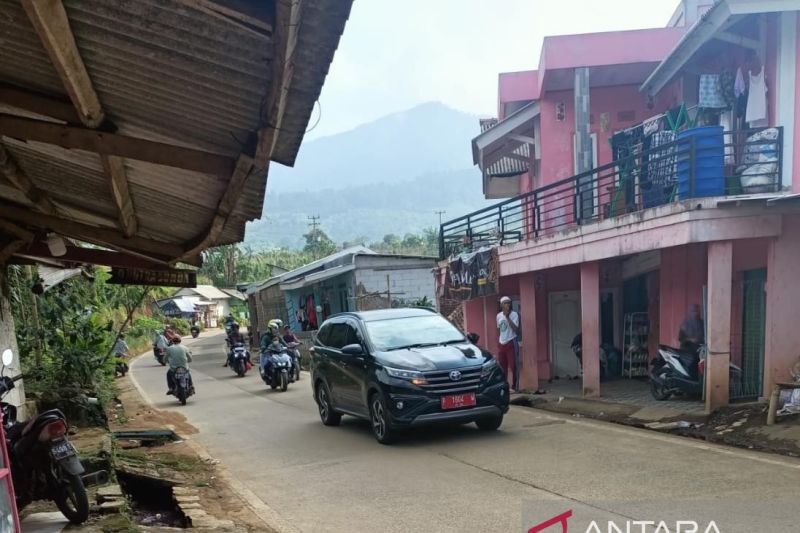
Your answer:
<point x="704" y="164"/>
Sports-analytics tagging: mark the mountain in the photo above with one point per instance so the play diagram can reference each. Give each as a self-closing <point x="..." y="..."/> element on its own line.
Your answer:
<point x="386" y="176"/>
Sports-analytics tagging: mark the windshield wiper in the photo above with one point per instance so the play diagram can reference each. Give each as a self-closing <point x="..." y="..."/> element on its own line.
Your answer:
<point x="410" y="346"/>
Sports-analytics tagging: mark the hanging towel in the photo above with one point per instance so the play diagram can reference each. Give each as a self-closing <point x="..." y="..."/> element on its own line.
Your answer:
<point x="710" y="94"/>
<point x="652" y="125"/>
<point x="757" y="101"/>
<point x="739" y="86"/>
<point x="727" y="81"/>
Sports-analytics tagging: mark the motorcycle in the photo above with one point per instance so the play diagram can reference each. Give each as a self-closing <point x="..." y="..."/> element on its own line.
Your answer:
<point x="275" y="368"/>
<point x="184" y="387"/>
<point x="160" y="355"/>
<point x="44" y="464"/>
<point x="678" y="372"/>
<point x="195" y="331"/>
<point x="239" y="359"/>
<point x="294" y="353"/>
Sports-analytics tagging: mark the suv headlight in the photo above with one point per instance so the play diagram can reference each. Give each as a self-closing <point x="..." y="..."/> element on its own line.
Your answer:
<point x="417" y="378"/>
<point x="488" y="368"/>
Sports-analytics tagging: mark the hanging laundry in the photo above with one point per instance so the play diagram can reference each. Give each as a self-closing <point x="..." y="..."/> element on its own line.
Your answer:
<point x="757" y="101"/>
<point x="739" y="87"/>
<point x="710" y="93"/>
<point x="727" y="81"/>
<point x="652" y="125"/>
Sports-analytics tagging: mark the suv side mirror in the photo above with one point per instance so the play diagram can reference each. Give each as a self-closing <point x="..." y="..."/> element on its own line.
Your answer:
<point x="473" y="338"/>
<point x="353" y="350"/>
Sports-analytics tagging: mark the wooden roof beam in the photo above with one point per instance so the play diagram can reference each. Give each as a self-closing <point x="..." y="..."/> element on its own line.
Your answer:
<point x="39" y="104"/>
<point x="114" y="144"/>
<point x="20" y="180"/>
<point x="94" y="256"/>
<point x="49" y="19"/>
<point x="287" y="29"/>
<point x="115" y="168"/>
<point x="226" y="206"/>
<point x="156" y="251"/>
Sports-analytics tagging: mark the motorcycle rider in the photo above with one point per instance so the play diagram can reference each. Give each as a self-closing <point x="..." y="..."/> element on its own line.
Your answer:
<point x="178" y="355"/>
<point x="121" y="354"/>
<point x="270" y="343"/>
<point x="160" y="343"/>
<point x="235" y="338"/>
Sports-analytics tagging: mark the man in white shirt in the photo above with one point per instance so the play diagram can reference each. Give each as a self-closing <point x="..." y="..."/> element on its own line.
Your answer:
<point x="508" y="351"/>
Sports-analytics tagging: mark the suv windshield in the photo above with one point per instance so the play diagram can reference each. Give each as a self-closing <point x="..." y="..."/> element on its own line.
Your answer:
<point x="411" y="332"/>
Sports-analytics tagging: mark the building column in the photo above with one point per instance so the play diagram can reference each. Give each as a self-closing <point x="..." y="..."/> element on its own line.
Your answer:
<point x="782" y="333"/>
<point x="590" y="328"/>
<point x="718" y="324"/>
<point x="529" y="373"/>
<point x="583" y="133"/>
<point x="490" y="310"/>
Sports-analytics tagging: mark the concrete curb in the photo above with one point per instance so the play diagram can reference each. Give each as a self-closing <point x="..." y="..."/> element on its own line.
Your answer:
<point x="260" y="508"/>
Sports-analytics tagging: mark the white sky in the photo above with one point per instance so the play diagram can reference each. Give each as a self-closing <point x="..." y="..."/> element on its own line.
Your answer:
<point x="396" y="54"/>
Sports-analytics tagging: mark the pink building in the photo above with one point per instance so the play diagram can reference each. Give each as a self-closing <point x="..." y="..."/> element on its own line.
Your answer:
<point x="642" y="173"/>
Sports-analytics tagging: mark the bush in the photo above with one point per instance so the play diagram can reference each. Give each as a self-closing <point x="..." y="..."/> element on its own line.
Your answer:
<point x="180" y="325"/>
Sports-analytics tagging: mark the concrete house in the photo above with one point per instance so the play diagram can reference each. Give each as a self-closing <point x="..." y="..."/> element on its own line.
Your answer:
<point x="640" y="173"/>
<point x="354" y="279"/>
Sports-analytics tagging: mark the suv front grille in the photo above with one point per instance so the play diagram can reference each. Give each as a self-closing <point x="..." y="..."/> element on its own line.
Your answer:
<point x="439" y="381"/>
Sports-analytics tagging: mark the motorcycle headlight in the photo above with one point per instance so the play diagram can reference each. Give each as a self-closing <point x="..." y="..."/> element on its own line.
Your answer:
<point x="417" y="378"/>
<point x="488" y="368"/>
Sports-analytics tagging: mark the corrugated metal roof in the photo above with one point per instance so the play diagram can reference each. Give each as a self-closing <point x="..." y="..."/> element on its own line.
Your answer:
<point x="170" y="71"/>
<point x="507" y="166"/>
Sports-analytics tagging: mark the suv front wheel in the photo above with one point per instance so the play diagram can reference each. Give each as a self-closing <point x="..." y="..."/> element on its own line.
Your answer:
<point x="379" y="420"/>
<point x="489" y="424"/>
<point x="326" y="413"/>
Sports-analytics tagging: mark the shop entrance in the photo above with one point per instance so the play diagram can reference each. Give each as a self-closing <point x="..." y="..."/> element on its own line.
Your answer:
<point x="753" y="335"/>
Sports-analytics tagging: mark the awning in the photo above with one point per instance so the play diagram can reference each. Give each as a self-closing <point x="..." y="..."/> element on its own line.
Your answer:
<point x="712" y="25"/>
<point x="515" y="164"/>
<point x="492" y="149"/>
<point x="316" y="277"/>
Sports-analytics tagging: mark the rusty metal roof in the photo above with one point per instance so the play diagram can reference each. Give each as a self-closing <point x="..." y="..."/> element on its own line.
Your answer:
<point x="189" y="73"/>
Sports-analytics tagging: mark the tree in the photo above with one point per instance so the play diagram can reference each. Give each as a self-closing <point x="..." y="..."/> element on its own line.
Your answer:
<point x="318" y="244"/>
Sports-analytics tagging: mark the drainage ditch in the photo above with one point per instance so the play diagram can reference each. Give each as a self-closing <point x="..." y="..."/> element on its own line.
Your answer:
<point x="152" y="501"/>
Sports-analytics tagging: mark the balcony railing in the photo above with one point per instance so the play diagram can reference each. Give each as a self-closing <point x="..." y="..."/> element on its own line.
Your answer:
<point x="701" y="163"/>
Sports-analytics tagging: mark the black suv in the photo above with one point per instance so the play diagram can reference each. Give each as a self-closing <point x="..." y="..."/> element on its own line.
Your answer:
<point x="401" y="368"/>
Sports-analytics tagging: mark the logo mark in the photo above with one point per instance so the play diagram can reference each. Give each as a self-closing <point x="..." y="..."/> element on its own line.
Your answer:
<point x="560" y="519"/>
<point x="455" y="375"/>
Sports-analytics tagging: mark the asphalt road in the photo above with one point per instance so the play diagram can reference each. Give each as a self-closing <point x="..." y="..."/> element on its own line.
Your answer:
<point x="538" y="466"/>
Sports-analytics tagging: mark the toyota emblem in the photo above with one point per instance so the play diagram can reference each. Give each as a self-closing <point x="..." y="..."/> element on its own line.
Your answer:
<point x="455" y="375"/>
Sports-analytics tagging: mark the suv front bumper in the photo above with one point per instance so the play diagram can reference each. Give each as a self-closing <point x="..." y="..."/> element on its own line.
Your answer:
<point x="425" y="409"/>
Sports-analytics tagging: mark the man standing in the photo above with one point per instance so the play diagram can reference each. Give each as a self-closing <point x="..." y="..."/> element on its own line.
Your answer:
<point x="508" y="351"/>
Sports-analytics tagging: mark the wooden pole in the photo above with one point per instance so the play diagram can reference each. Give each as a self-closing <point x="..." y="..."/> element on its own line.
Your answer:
<point x="389" y="291"/>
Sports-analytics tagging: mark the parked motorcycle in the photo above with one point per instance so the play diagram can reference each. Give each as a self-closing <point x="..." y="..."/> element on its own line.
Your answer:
<point x="275" y="368"/>
<point x="239" y="359"/>
<point x="678" y="372"/>
<point x="44" y="464"/>
<point x="184" y="387"/>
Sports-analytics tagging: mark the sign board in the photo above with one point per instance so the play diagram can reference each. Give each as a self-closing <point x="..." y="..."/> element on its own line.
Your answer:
<point x="153" y="278"/>
<point x="471" y="276"/>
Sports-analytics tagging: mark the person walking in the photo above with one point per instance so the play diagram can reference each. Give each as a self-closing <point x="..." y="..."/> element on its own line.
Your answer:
<point x="508" y="351"/>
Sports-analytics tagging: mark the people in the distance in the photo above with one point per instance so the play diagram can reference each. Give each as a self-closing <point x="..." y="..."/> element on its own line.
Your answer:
<point x="692" y="332"/>
<point x="508" y="349"/>
<point x="288" y="336"/>
<point x="120" y="351"/>
<point x="178" y="356"/>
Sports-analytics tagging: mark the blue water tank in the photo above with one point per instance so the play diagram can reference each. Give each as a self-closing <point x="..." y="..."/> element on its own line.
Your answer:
<point x="708" y="165"/>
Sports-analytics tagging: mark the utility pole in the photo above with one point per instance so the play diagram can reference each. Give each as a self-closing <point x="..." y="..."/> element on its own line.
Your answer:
<point x="314" y="241"/>
<point x="440" y="213"/>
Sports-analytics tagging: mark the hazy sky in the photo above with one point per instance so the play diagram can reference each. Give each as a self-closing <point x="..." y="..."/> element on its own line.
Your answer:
<point x="397" y="54"/>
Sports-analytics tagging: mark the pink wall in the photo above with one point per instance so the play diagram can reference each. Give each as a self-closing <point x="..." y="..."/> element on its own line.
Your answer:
<point x="515" y="86"/>
<point x="796" y="182"/>
<point x="557" y="152"/>
<point x="683" y="274"/>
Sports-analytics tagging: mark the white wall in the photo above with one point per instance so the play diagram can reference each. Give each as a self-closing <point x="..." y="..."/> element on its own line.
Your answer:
<point x="405" y="284"/>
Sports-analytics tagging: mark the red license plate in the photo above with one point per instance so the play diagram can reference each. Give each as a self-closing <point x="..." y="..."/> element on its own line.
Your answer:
<point x="458" y="401"/>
